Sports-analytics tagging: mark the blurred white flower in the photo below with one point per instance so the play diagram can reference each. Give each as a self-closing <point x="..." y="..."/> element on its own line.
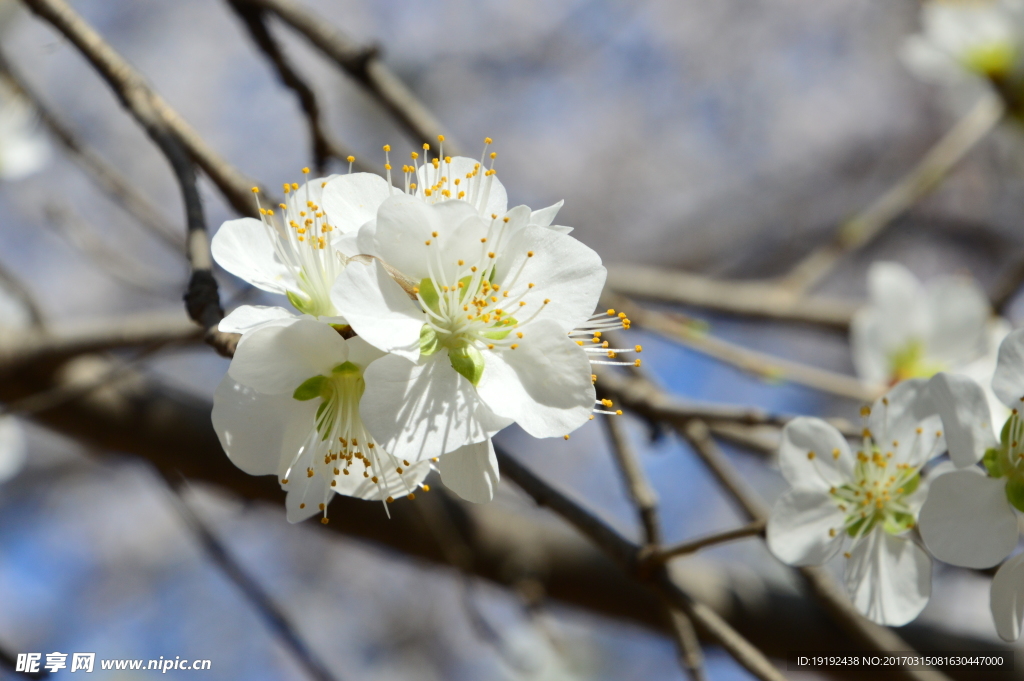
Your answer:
<point x="12" y="448"/>
<point x="910" y="330"/>
<point x="868" y="502"/>
<point x="969" y="518"/>
<point x="965" y="37"/>
<point x="24" y="149"/>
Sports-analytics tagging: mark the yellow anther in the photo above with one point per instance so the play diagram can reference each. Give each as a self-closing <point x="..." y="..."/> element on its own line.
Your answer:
<point x="547" y="300"/>
<point x="387" y="147"/>
<point x="387" y="166"/>
<point x="284" y="481"/>
<point x="426" y="488"/>
<point x="529" y="254"/>
<point x="490" y="346"/>
<point x="611" y="312"/>
<point x="835" y="453"/>
<point x="302" y="506"/>
<point x="530" y="285"/>
<point x="488" y="140"/>
<point x="638" y="348"/>
<point x="351" y="159"/>
<point x="865" y="411"/>
<point x="519" y="334"/>
<point x="295" y="185"/>
<point x="810" y="455"/>
<point x="832" y="532"/>
<point x="483" y="240"/>
<point x="494" y="155"/>
<point x="427" y="242"/>
<point x="636" y="363"/>
<point x="514" y="346"/>
<point x="305" y="171"/>
<point x="440" y="138"/>
<point x="255" y="190"/>
<point x="565" y="437"/>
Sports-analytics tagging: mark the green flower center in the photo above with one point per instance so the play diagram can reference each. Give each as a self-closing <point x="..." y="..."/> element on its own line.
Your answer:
<point x="1007" y="460"/>
<point x="877" y="494"/>
<point x="910" y="361"/>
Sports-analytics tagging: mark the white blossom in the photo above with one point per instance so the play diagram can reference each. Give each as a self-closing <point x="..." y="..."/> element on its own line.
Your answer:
<point x="969" y="517"/>
<point x="866" y="502"/>
<point x="963" y="38"/>
<point x="912" y="330"/>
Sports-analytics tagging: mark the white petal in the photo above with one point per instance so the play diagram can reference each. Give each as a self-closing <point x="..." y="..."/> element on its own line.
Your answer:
<point x="248" y="318"/>
<point x="545" y="216"/>
<point x="362" y="353"/>
<point x="421" y="410"/>
<point x="896" y="418"/>
<point x="259" y="432"/>
<point x="244" y="248"/>
<point x="963" y="407"/>
<point x="1007" y="598"/>
<point x="352" y="200"/>
<point x="959" y="312"/>
<point x="391" y="482"/>
<point x="544" y="385"/>
<point x="405" y="224"/>
<point x="870" y="356"/>
<point x="304" y="496"/>
<point x="967" y="520"/>
<point x="12" y="448"/>
<point x="1008" y="382"/>
<point x="277" y="359"/>
<point x="899" y="302"/>
<point x="471" y="472"/>
<point x="804" y="435"/>
<point x="379" y="309"/>
<point x="889" y="578"/>
<point x="799" y="526"/>
<point x="565" y="271"/>
<point x="460" y="166"/>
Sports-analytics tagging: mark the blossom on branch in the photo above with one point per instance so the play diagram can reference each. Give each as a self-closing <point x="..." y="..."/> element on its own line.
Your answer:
<point x="866" y="501"/>
<point x="912" y="330"/>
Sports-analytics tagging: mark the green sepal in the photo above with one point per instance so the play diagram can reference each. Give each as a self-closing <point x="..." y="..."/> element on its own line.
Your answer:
<point x="301" y="303"/>
<point x="345" y="368"/>
<point x="992" y="463"/>
<point x="429" y="295"/>
<point x="429" y="343"/>
<point x="468" y="361"/>
<point x="310" y="388"/>
<point x="1015" y="492"/>
<point x="910" y="486"/>
<point x="898" y="523"/>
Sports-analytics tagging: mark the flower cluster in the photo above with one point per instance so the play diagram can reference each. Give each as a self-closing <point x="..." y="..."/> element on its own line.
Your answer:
<point x="424" y="320"/>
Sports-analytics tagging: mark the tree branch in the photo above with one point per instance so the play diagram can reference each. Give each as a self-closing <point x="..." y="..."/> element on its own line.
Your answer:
<point x="751" y="530"/>
<point x="364" y="65"/>
<point x="910" y="189"/>
<point x="752" y="299"/>
<point x="322" y="145"/>
<point x="148" y="108"/>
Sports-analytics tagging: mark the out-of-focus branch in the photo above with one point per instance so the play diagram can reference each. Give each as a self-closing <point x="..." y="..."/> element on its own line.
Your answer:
<point x="627" y="554"/>
<point x="115" y="185"/>
<point x="758" y="363"/>
<point x="273" y="616"/>
<point x="757" y="299"/>
<point x="322" y="144"/>
<point x="110" y="261"/>
<point x="364" y="65"/>
<point x="645" y="500"/>
<point x="751" y="530"/>
<point x="99" y="335"/>
<point x="16" y="288"/>
<point x="821" y="585"/>
<point x="148" y="108"/>
<point x="910" y="189"/>
<point x="8" y="661"/>
<point x="646" y="399"/>
<point x="171" y="430"/>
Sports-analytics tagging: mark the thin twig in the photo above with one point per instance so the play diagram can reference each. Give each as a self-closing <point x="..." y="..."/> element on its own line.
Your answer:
<point x="756" y="299"/>
<point x="113" y="183"/>
<point x="751" y="530"/>
<point x="758" y="363"/>
<point x="645" y="499"/>
<point x="148" y="108"/>
<point x="648" y="400"/>
<point x="322" y="145"/>
<point x="364" y="65"/>
<point x="910" y="189"/>
<point x="273" y="616"/>
<point x="626" y="554"/>
<point x="18" y="290"/>
<point x="111" y="261"/>
<point x="821" y="585"/>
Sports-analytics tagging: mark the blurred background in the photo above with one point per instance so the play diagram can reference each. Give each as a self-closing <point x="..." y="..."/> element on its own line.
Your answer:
<point x="726" y="138"/>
